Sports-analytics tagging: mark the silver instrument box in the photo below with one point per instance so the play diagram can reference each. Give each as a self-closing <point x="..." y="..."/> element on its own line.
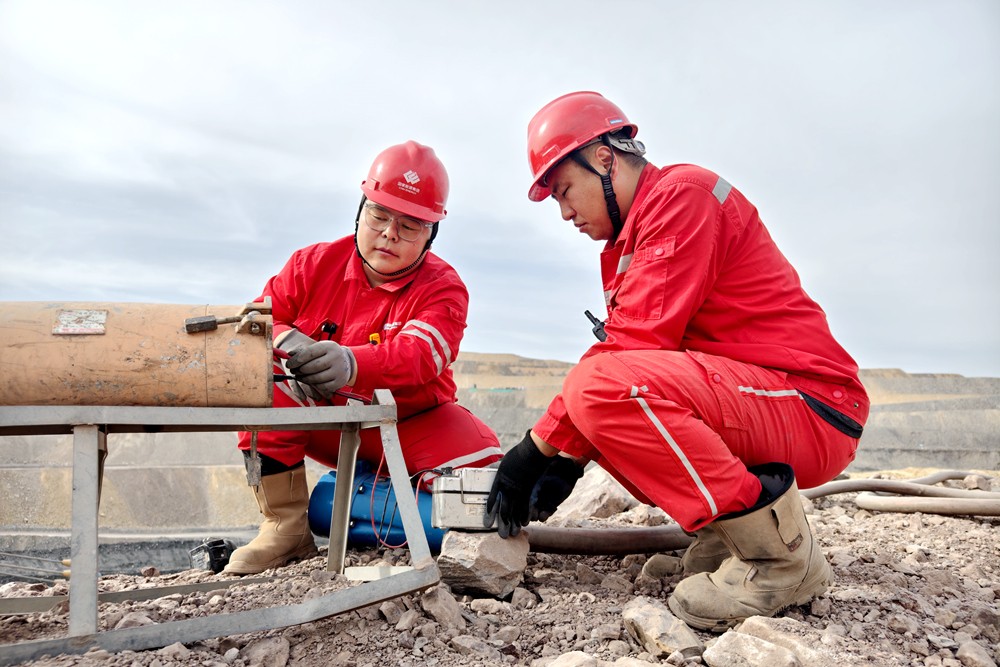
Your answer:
<point x="458" y="498"/>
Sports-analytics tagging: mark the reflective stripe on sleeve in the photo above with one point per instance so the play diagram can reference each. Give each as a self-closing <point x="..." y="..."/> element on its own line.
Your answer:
<point x="721" y="190"/>
<point x="624" y="263"/>
<point x="772" y="394"/>
<point x="433" y="338"/>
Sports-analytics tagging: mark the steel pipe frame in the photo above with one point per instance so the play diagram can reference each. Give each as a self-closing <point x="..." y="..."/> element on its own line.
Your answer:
<point x="90" y="425"/>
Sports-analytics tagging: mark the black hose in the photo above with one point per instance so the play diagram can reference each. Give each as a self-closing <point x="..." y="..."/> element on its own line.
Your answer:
<point x="606" y="541"/>
<point x="619" y="541"/>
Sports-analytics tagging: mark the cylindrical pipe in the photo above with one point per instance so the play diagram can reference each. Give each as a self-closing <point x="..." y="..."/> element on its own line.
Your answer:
<point x="894" y="486"/>
<point x="92" y="353"/>
<point x="618" y="541"/>
<point x="946" y="506"/>
<point x="606" y="541"/>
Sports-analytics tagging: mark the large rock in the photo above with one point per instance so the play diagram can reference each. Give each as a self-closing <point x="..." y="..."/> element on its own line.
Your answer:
<point x="658" y="631"/>
<point x="483" y="562"/>
<point x="597" y="495"/>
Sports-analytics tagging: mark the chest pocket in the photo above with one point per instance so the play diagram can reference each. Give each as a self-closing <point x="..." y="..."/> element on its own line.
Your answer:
<point x="641" y="283"/>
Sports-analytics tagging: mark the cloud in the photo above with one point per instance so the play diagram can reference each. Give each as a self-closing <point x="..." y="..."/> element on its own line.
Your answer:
<point x="181" y="154"/>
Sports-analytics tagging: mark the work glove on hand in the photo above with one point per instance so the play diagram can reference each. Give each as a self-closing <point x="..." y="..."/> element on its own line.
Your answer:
<point x="554" y="486"/>
<point x="290" y="342"/>
<point x="325" y="365"/>
<point x="300" y="391"/>
<point x="293" y="340"/>
<point x="519" y="470"/>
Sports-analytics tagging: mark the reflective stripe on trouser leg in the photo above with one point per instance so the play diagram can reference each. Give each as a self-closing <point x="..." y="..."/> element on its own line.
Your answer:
<point x="678" y="452"/>
<point x="663" y="435"/>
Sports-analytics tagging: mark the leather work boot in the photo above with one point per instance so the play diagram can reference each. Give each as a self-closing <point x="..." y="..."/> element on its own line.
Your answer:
<point x="284" y="535"/>
<point x="705" y="554"/>
<point x="776" y="562"/>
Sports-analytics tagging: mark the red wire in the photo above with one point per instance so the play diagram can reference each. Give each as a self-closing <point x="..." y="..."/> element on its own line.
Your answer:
<point x="371" y="503"/>
<point x="371" y="510"/>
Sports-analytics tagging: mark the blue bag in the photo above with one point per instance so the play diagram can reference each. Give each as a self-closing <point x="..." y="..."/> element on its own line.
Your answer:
<point x="371" y="497"/>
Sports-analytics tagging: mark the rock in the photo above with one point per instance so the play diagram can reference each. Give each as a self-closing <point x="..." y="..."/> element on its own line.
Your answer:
<point x="735" y="649"/>
<point x="976" y="482"/>
<point x="175" y="651"/>
<point x="467" y="645"/>
<point x="821" y="607"/>
<point x="902" y="624"/>
<point x="657" y="630"/>
<point x="506" y="634"/>
<point x="407" y="620"/>
<point x="659" y="566"/>
<point x="972" y="654"/>
<point x="391" y="610"/>
<point x="586" y="574"/>
<point x="267" y="652"/>
<point x="576" y="659"/>
<point x="489" y="606"/>
<point x="133" y="619"/>
<point x="616" y="582"/>
<point x="443" y="607"/>
<point x="597" y="494"/>
<point x="523" y="599"/>
<point x="988" y="622"/>
<point x="483" y="562"/>
<point x="149" y="571"/>
<point x="794" y="635"/>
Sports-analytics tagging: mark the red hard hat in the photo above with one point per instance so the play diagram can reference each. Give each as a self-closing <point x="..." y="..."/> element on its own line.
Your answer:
<point x="410" y="179"/>
<point x="564" y="125"/>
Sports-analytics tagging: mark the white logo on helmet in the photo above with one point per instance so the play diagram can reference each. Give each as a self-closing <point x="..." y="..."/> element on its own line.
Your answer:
<point x="412" y="178"/>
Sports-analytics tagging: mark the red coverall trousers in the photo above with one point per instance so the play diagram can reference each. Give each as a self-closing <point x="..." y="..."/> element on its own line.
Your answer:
<point x="445" y="435"/>
<point x="679" y="429"/>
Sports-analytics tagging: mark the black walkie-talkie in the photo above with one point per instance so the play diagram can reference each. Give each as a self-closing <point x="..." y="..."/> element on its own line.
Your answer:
<point x="598" y="326"/>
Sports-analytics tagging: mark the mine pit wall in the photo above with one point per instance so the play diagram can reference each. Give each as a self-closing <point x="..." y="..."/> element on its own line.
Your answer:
<point x="163" y="493"/>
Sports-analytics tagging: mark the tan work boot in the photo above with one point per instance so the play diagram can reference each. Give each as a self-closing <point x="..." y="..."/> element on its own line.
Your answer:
<point x="705" y="554"/>
<point x="776" y="562"/>
<point x="284" y="535"/>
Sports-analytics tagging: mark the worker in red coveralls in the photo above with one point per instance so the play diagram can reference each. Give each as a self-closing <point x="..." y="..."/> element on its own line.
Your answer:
<point x="375" y="310"/>
<point x="716" y="382"/>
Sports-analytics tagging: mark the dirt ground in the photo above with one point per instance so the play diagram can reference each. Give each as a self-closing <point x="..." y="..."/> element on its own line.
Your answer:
<point x="911" y="589"/>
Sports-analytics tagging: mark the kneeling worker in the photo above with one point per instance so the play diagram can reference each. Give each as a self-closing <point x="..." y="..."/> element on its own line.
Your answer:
<point x="373" y="310"/>
<point x="716" y="386"/>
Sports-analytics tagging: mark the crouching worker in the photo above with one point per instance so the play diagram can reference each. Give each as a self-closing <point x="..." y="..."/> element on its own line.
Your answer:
<point x="717" y="388"/>
<point x="376" y="310"/>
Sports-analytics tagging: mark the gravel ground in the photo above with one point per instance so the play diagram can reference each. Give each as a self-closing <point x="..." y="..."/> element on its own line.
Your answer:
<point x="911" y="589"/>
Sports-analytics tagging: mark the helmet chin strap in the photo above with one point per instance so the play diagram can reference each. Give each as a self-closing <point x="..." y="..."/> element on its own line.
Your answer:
<point x="614" y="212"/>
<point x="357" y="220"/>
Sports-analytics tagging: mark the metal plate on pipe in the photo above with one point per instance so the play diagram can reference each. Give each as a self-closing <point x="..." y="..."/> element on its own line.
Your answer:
<point x="80" y="322"/>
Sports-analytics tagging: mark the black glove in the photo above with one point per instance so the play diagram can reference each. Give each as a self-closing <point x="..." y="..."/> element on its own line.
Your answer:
<point x="507" y="504"/>
<point x="553" y="488"/>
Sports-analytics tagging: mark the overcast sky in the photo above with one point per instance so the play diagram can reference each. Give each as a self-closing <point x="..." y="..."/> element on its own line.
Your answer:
<point x="179" y="151"/>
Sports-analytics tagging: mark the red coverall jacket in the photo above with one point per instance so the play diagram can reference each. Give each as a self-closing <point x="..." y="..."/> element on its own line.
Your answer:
<point x="404" y="335"/>
<point x="695" y="271"/>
